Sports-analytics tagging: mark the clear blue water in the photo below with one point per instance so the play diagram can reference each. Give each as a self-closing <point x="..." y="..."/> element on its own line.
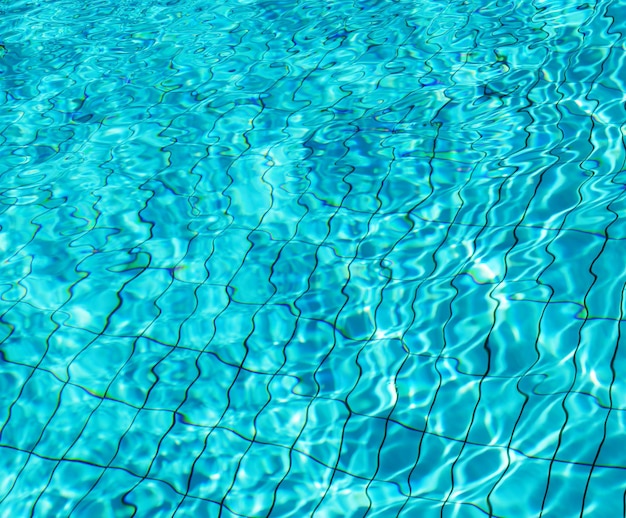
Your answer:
<point x="333" y="259"/>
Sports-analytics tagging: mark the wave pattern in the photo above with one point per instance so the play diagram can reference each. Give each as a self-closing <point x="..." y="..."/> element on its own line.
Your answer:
<point x="312" y="258"/>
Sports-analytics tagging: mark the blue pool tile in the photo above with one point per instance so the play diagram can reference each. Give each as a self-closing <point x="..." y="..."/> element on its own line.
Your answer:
<point x="431" y="475"/>
<point x="313" y="227"/>
<point x="41" y="294"/>
<point x="191" y="506"/>
<point x="490" y="248"/>
<point x="62" y="496"/>
<point x="282" y="420"/>
<point x="609" y="482"/>
<point x="207" y="397"/>
<point x="603" y="301"/>
<point x="618" y="388"/>
<point x="431" y="305"/>
<point x="97" y="365"/>
<point x="398" y="455"/>
<point x="292" y="498"/>
<point x="559" y="329"/>
<point x="260" y="471"/>
<point x="322" y="301"/>
<point x="175" y="375"/>
<point x="317" y="439"/>
<point x="476" y="473"/>
<point x="359" y="322"/>
<point x="195" y="332"/>
<point x="598" y="195"/>
<point x="507" y="340"/>
<point x="232" y="327"/>
<point x="12" y="293"/>
<point x="566" y="489"/>
<point x="139" y="445"/>
<point x="617" y="230"/>
<point x="611" y="454"/>
<point x="401" y="192"/>
<point x="394" y="313"/>
<point x="584" y="416"/>
<point x="64" y="345"/>
<point x="187" y="441"/>
<point x="421" y="507"/>
<point x="274" y="326"/>
<point x="347" y="229"/>
<point x="455" y="401"/>
<point x="26" y="343"/>
<point x="312" y="341"/>
<point x="466" y="333"/>
<point x="67" y="424"/>
<point x="20" y="223"/>
<point x="30" y="483"/>
<point x="366" y="180"/>
<point x="249" y="209"/>
<point x="175" y="305"/>
<point x="103" y="430"/>
<point x="168" y="246"/>
<point x="464" y="509"/>
<point x="32" y="411"/>
<point x="384" y="232"/>
<point x="152" y="498"/>
<point x="291" y="271"/>
<point x="150" y="284"/>
<point x="529" y="255"/>
<point x="192" y="269"/>
<point x="284" y="216"/>
<point x="247" y="397"/>
<point x="529" y="437"/>
<point x="338" y="374"/>
<point x="362" y="438"/>
<point x="385" y="499"/>
<point x="494" y="423"/>
<point x="215" y="469"/>
<point x="412" y="257"/>
<point x="250" y="284"/>
<point x="229" y="249"/>
<point x="567" y="278"/>
<point x="101" y="289"/>
<point x="375" y="393"/>
<point x="12" y="379"/>
<point x="346" y="495"/>
<point x="416" y="385"/>
<point x="135" y="378"/>
<point x="525" y="476"/>
<point x="490" y="200"/>
<point x="12" y="463"/>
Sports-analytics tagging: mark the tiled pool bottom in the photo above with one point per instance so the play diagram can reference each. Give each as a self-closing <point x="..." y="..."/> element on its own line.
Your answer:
<point x="312" y="259"/>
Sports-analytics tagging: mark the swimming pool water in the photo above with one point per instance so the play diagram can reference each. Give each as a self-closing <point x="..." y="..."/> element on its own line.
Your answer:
<point x="305" y="258"/>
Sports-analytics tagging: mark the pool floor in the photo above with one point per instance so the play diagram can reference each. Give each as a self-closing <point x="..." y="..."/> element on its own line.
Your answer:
<point x="305" y="258"/>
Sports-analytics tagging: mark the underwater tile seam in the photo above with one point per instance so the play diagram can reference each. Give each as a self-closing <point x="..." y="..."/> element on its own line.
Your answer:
<point x="268" y="258"/>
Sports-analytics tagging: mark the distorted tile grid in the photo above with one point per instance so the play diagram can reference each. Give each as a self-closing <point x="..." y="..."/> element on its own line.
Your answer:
<point x="312" y="258"/>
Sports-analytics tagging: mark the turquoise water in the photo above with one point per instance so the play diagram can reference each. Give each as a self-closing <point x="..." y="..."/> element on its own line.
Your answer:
<point x="312" y="258"/>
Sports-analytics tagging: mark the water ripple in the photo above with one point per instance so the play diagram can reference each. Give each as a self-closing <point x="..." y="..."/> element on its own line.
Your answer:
<point x="295" y="259"/>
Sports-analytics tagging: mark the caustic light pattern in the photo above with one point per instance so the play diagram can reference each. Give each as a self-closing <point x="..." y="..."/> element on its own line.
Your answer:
<point x="312" y="258"/>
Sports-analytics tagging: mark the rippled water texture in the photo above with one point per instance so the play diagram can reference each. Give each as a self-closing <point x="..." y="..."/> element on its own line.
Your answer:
<point x="312" y="258"/>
